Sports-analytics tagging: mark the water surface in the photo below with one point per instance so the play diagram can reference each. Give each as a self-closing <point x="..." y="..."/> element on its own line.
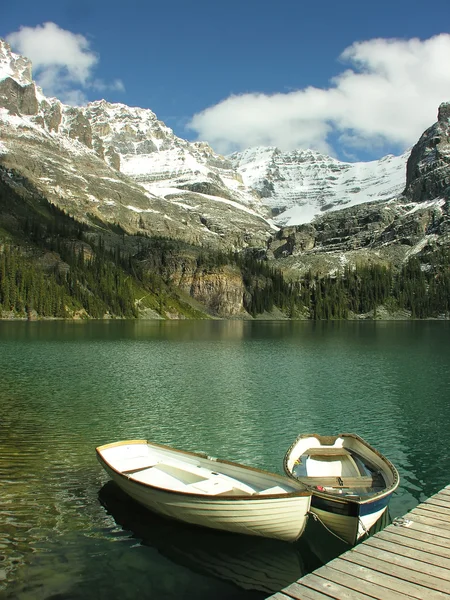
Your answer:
<point x="238" y="390"/>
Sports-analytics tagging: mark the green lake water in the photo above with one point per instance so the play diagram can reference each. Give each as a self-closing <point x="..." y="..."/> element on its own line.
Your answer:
<point x="236" y="390"/>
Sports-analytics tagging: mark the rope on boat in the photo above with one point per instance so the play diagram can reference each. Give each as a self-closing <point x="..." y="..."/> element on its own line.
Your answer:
<point x="366" y="531"/>
<point x="317" y="518"/>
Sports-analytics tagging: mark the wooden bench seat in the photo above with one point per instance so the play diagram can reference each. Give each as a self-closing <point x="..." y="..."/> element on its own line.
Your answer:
<point x="327" y="452"/>
<point x="344" y="482"/>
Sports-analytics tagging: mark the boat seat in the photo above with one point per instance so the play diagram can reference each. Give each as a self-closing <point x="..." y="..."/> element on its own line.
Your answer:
<point x="343" y="482"/>
<point x="134" y="464"/>
<point x="212" y="487"/>
<point x="158" y="478"/>
<point x="276" y="489"/>
<point x="332" y="451"/>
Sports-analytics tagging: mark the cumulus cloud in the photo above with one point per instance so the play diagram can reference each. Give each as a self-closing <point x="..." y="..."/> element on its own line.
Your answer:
<point x="63" y="62"/>
<point x="388" y="94"/>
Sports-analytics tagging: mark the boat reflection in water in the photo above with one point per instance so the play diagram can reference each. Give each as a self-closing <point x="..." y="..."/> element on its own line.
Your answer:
<point x="251" y="563"/>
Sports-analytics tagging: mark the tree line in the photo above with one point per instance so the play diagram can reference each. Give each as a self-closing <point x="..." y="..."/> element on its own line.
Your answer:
<point x="88" y="277"/>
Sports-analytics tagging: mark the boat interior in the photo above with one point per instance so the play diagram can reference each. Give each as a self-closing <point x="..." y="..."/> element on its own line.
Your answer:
<point x="338" y="470"/>
<point x="172" y="471"/>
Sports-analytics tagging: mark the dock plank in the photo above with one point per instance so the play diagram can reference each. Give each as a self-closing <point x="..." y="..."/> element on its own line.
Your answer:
<point x="417" y="525"/>
<point x="398" y="571"/>
<point x="441" y="526"/>
<point x="439" y="501"/>
<point x="389" y="582"/>
<point x="403" y="561"/>
<point x="330" y="588"/>
<point x="434" y="508"/>
<point x="417" y="541"/>
<point x="356" y="584"/>
<point x="430" y="512"/>
<point x="301" y="592"/>
<point x="420" y="555"/>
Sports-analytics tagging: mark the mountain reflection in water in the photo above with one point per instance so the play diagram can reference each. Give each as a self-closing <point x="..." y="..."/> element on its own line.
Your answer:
<point x="250" y="562"/>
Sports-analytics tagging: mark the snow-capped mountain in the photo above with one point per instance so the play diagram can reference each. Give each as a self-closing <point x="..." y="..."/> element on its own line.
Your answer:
<point x="121" y="164"/>
<point x="298" y="185"/>
<point x="115" y="164"/>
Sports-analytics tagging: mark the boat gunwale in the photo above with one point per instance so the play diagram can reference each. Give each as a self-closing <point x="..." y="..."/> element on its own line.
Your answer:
<point x="376" y="496"/>
<point x="306" y="492"/>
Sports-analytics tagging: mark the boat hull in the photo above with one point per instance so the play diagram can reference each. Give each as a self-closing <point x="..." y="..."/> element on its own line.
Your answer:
<point x="350" y="521"/>
<point x="277" y="516"/>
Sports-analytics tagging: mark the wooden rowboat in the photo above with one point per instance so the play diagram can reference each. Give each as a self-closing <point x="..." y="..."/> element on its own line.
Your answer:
<point x="351" y="482"/>
<point x="201" y="490"/>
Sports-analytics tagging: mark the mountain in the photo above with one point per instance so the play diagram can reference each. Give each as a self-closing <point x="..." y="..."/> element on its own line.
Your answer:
<point x="104" y="211"/>
<point x="120" y="164"/>
<point x="393" y="229"/>
<point x="302" y="184"/>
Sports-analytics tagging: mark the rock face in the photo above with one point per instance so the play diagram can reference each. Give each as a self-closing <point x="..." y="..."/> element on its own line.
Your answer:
<point x="15" y="66"/>
<point x="428" y="168"/>
<point x="390" y="231"/>
<point x="300" y="185"/>
<point x="18" y="99"/>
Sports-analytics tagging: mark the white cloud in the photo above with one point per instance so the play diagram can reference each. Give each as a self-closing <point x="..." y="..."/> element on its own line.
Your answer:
<point x="63" y="62"/>
<point x="389" y="94"/>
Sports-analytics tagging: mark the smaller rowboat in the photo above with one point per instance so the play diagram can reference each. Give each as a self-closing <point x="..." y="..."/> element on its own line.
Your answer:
<point x="201" y="490"/>
<point x="351" y="482"/>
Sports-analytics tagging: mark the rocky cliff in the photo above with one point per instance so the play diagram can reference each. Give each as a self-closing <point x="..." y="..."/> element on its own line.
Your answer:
<point x="416" y="220"/>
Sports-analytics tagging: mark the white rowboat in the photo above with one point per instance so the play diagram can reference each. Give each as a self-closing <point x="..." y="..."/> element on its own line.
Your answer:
<point x="201" y="490"/>
<point x="351" y="482"/>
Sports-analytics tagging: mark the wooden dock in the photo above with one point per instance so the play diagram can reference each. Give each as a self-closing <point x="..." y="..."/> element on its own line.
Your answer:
<point x="408" y="559"/>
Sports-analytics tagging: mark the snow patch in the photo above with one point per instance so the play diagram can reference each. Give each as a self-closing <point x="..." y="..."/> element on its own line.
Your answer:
<point x="143" y="210"/>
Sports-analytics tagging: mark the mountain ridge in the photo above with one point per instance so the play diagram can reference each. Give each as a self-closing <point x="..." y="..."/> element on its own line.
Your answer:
<point x="301" y="184"/>
<point x="287" y="188"/>
<point x="210" y="226"/>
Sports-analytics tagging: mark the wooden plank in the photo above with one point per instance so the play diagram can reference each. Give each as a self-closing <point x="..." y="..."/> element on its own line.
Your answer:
<point x="420" y="555"/>
<point x="438" y="575"/>
<point x="403" y="538"/>
<point x="417" y="534"/>
<point x="359" y="585"/>
<point x="418" y="525"/>
<point x="329" y="588"/>
<point x="387" y="581"/>
<point x="398" y="571"/>
<point x="439" y="501"/>
<point x="339" y="482"/>
<point x="434" y="508"/>
<point x="302" y="592"/>
<point x="444" y="492"/>
<point x="428" y="511"/>
<point x="430" y="521"/>
<point x="323" y="451"/>
<point x="282" y="596"/>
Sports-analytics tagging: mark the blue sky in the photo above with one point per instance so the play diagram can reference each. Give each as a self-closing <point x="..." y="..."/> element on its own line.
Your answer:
<point x="247" y="73"/>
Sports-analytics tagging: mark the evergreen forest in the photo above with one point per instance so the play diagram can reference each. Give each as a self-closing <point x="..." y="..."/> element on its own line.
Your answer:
<point x="52" y="266"/>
